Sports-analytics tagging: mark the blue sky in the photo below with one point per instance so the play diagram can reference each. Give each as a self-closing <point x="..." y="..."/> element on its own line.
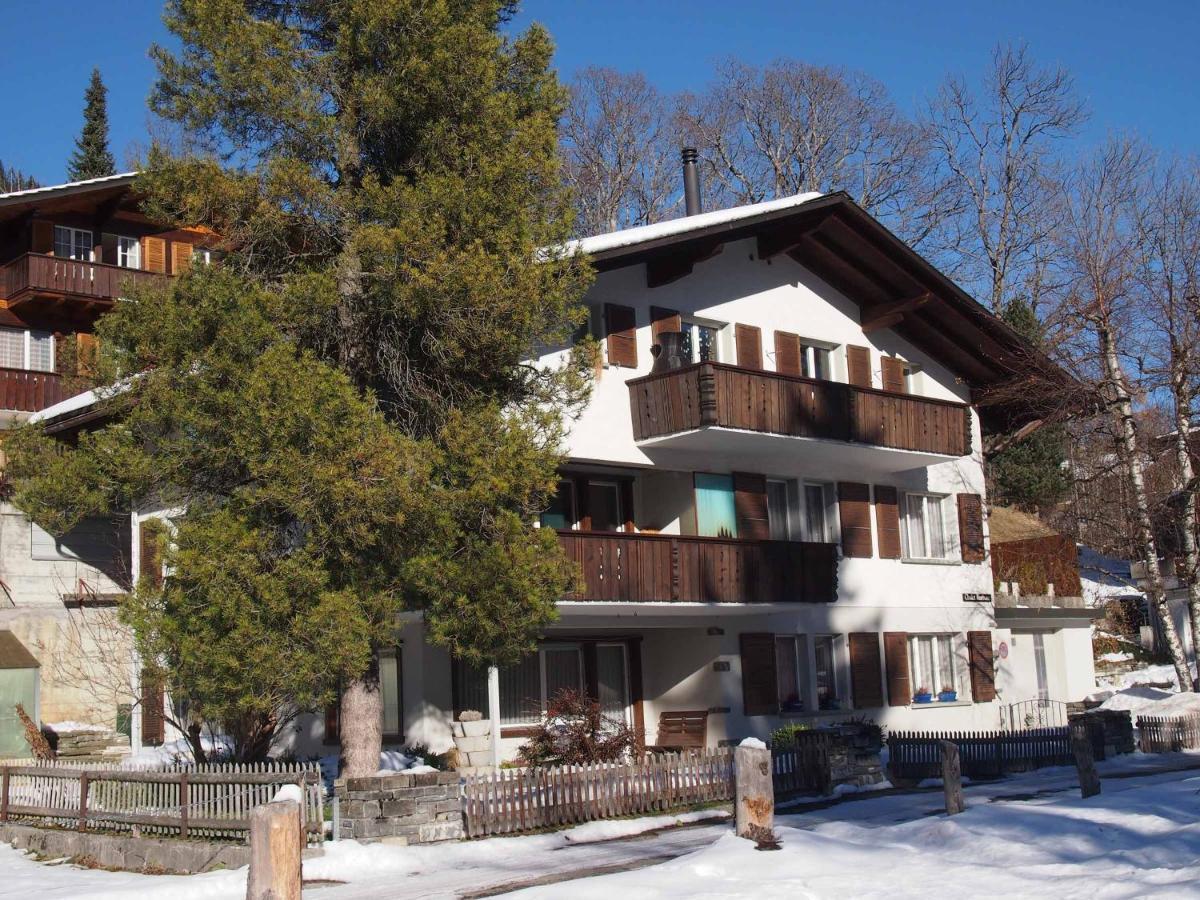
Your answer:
<point x="1134" y="62"/>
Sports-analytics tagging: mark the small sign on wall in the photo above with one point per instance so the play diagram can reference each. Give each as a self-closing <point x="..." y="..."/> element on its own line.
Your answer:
<point x="977" y="598"/>
<point x="721" y="665"/>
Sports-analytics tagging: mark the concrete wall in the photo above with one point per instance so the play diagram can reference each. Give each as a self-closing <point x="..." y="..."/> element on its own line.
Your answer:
<point x="119" y="851"/>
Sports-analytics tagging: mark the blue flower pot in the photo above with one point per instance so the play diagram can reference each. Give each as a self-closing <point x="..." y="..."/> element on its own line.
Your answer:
<point x="922" y="698"/>
<point x="947" y="696"/>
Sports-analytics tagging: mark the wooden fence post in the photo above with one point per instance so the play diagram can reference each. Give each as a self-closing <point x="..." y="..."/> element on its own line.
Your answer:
<point x="4" y="781"/>
<point x="754" y="792"/>
<point x="1085" y="763"/>
<point x="84" y="783"/>
<point x="952" y="778"/>
<point x="183" y="804"/>
<point x="274" y="852"/>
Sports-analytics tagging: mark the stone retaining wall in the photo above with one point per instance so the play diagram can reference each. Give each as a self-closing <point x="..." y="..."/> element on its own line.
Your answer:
<point x="1116" y="725"/>
<point x="123" y="851"/>
<point x="400" y="808"/>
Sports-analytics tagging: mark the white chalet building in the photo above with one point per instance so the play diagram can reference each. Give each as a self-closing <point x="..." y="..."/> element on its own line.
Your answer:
<point x="775" y="496"/>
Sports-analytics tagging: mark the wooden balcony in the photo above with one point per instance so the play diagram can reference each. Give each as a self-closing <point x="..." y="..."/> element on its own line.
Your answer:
<point x="40" y="275"/>
<point x="29" y="391"/>
<point x="713" y="394"/>
<point x="659" y="568"/>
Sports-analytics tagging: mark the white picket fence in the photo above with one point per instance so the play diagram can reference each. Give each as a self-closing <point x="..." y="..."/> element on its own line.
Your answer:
<point x="199" y="801"/>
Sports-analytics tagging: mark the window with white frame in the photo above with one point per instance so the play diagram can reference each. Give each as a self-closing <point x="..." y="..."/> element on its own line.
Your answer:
<point x="25" y="348"/>
<point x="925" y="535"/>
<point x="777" y="510"/>
<point x="701" y="341"/>
<point x="201" y="256"/>
<point x="816" y="361"/>
<point x="790" y="666"/>
<point x="931" y="667"/>
<point x="818" y="520"/>
<point x="129" y="253"/>
<point x="73" y="243"/>
<point x="825" y="671"/>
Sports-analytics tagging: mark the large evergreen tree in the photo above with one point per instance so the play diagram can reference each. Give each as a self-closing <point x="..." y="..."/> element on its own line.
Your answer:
<point x="92" y="158"/>
<point x="386" y="175"/>
<point x="12" y="179"/>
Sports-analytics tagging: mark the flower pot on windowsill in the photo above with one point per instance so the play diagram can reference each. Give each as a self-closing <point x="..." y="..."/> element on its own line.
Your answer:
<point x="925" y="697"/>
<point x="947" y="696"/>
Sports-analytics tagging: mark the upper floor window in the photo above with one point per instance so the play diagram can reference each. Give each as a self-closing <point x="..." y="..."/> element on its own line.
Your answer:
<point x="815" y="361"/>
<point x="777" y="510"/>
<point x="129" y="253"/>
<point x="817" y="515"/>
<point x="23" y="348"/>
<point x="73" y="243"/>
<point x="925" y="527"/>
<point x="701" y="342"/>
<point x="561" y="512"/>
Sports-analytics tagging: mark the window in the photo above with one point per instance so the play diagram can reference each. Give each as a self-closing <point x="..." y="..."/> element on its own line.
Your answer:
<point x="604" y="506"/>
<point x="814" y="361"/>
<point x="787" y="673"/>
<point x="700" y="342"/>
<point x="925" y="527"/>
<point x="561" y="512"/>
<point x="129" y="253"/>
<point x="826" y="671"/>
<point x="390" y="693"/>
<point x="931" y="663"/>
<point x="777" y="510"/>
<point x="612" y="681"/>
<point x="22" y="348"/>
<point x="716" y="512"/>
<point x="73" y="243"/>
<point x="201" y="256"/>
<point x="816" y="514"/>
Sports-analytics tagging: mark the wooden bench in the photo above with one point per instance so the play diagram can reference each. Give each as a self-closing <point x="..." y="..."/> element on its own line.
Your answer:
<point x="687" y="730"/>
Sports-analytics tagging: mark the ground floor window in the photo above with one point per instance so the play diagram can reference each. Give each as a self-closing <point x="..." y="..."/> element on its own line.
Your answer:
<point x="787" y="673"/>
<point x="825" y="659"/>
<point x="931" y="666"/>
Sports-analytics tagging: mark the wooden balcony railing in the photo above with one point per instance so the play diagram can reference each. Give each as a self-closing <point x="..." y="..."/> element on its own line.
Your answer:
<point x="647" y="568"/>
<point x="29" y="391"/>
<point x="37" y="273"/>
<point x="730" y="397"/>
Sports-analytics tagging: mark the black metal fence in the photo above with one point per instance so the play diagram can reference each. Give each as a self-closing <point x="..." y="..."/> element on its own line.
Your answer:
<point x="913" y="755"/>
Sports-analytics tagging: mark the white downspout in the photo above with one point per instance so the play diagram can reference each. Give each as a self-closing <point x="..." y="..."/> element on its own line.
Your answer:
<point x="494" y="711"/>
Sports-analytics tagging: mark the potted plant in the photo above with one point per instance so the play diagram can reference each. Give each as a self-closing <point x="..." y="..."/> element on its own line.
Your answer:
<point x="947" y="695"/>
<point x="922" y="695"/>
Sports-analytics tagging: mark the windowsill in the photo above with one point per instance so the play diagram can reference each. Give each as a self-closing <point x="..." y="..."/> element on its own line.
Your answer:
<point x="921" y="561"/>
<point x="937" y="704"/>
<point x="807" y="714"/>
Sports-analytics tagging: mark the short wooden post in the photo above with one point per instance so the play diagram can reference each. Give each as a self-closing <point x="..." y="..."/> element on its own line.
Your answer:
<point x="4" y="781"/>
<point x="183" y="804"/>
<point x="952" y="778"/>
<point x="754" y="793"/>
<point x="1085" y="763"/>
<point x="84" y="781"/>
<point x="274" y="852"/>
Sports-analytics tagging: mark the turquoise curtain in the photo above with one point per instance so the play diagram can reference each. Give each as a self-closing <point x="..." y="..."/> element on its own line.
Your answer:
<point x="716" y="515"/>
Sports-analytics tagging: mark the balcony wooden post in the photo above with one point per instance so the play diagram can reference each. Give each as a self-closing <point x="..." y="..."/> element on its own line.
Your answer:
<point x="707" y="388"/>
<point x="674" y="568"/>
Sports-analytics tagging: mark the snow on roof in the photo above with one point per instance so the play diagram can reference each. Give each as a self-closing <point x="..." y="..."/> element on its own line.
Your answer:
<point x="82" y="401"/>
<point x="70" y="186"/>
<point x="628" y="237"/>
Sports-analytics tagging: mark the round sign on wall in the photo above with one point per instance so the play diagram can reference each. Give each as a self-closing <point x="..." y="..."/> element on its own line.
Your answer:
<point x="1004" y="650"/>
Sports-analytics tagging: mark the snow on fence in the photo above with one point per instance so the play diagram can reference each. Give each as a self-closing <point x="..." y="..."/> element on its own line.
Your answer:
<point x="984" y="754"/>
<point x="1160" y="734"/>
<point x="515" y="800"/>
<point x="802" y="767"/>
<point x="210" y="801"/>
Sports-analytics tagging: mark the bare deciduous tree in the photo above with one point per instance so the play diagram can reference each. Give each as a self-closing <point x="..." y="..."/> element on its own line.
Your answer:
<point x="620" y="159"/>
<point x="999" y="147"/>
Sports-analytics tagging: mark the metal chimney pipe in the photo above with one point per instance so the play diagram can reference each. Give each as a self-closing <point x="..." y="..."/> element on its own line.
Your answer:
<point x="691" y="182"/>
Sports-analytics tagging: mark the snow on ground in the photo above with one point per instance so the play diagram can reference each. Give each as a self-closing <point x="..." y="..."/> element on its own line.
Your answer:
<point x="72" y="725"/>
<point x="1131" y="841"/>
<point x="215" y="746"/>
<point x="1150" y="701"/>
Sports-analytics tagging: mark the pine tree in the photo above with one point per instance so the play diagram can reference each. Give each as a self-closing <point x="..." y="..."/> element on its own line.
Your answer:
<point x="394" y="180"/>
<point x="15" y="180"/>
<point x="92" y="158"/>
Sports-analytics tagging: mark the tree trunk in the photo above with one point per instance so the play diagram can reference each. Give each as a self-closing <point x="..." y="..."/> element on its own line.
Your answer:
<point x="1189" y="514"/>
<point x="197" y="745"/>
<point x="1122" y="406"/>
<point x="361" y="723"/>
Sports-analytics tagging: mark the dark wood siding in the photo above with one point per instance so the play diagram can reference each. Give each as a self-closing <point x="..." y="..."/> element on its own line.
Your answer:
<point x="866" y="677"/>
<point x="982" y="666"/>
<point x="854" y="510"/>
<point x="895" y="653"/>
<point x="887" y="521"/>
<point x="787" y="353"/>
<point x="858" y="366"/>
<point x="970" y="527"/>
<point x="620" y="329"/>
<point x="760" y="694"/>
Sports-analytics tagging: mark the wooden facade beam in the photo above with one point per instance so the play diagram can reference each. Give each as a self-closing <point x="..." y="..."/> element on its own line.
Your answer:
<point x="783" y="240"/>
<point x="664" y="269"/>
<point x="885" y="315"/>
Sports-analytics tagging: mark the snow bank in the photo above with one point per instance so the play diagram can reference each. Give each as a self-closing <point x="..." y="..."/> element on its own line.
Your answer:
<point x="1115" y="657"/>
<point x="753" y="743"/>
<point x="216" y="747"/>
<point x="288" y="792"/>
<point x="72" y="725"/>
<point x="1150" y="701"/>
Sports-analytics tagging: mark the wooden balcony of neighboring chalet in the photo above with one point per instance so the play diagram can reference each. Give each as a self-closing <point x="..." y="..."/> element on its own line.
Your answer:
<point x="40" y="275"/>
<point x="709" y="394"/>
<point x="665" y="568"/>
<point x="25" y="391"/>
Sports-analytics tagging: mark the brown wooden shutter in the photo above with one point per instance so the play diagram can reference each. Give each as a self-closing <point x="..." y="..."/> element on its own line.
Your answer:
<point x="87" y="353"/>
<point x="787" y="353"/>
<point x="760" y="691"/>
<point x="153" y="730"/>
<point x="866" y="677"/>
<point x="151" y="552"/>
<point x="108" y="249"/>
<point x="970" y="527"/>
<point x="154" y="254"/>
<point x="893" y="374"/>
<point x="664" y="320"/>
<point x="181" y="257"/>
<point x="854" y="509"/>
<point x="983" y="670"/>
<point x="41" y="237"/>
<point x="887" y="521"/>
<point x="749" y="345"/>
<point x="750" y="504"/>
<point x="895" y="653"/>
<point x="858" y="366"/>
<point x="620" y="329"/>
